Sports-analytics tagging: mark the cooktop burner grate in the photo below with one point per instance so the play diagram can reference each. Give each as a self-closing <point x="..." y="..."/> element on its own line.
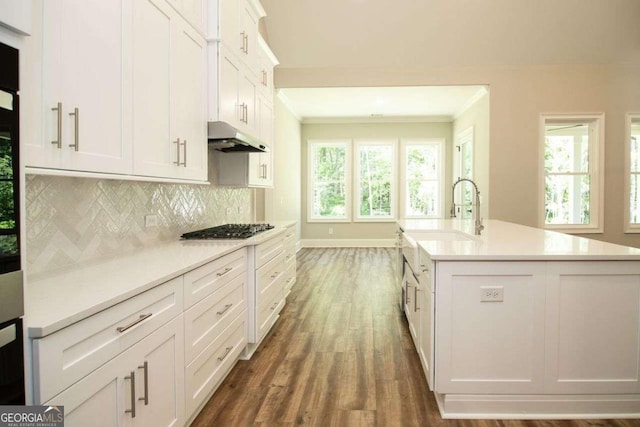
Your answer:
<point x="228" y="231"/>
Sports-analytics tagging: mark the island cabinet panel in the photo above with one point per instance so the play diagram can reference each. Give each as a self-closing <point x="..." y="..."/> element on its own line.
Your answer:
<point x="490" y="346"/>
<point x="593" y="327"/>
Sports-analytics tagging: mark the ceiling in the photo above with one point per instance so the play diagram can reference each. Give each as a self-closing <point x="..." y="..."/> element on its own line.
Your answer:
<point x="417" y="34"/>
<point x="451" y="33"/>
<point x="380" y="103"/>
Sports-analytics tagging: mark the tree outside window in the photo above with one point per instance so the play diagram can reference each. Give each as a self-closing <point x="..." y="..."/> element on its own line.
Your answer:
<point x="329" y="172"/>
<point x="422" y="166"/>
<point x="375" y="180"/>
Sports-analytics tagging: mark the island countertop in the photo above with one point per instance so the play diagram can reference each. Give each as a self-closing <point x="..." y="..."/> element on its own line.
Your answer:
<point x="454" y="240"/>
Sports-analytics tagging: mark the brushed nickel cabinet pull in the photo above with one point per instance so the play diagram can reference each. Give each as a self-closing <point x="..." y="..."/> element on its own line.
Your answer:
<point x="415" y="299"/>
<point x="246" y="43"/>
<point x="132" y="411"/>
<point x="134" y="323"/>
<point x="244" y="38"/>
<point x="76" y="138"/>
<point x="273" y="307"/>
<point x="145" y="398"/>
<point x="407" y="300"/>
<point x="226" y="353"/>
<point x="177" y="142"/>
<point x="184" y="146"/>
<point x="225" y="271"/>
<point x="224" y="310"/>
<point x="59" y="132"/>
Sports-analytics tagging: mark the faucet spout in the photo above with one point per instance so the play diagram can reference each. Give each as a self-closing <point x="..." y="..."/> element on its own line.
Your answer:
<point x="478" y="220"/>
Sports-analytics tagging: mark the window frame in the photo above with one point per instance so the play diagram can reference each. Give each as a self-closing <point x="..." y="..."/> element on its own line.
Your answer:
<point x="404" y="196"/>
<point x="629" y="227"/>
<point x="357" y="143"/>
<point x="595" y="173"/>
<point x="311" y="144"/>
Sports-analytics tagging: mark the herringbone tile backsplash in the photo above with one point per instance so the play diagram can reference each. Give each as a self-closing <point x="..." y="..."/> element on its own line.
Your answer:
<point x="73" y="220"/>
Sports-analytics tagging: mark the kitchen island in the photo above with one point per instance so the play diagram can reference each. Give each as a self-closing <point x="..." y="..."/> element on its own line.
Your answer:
<point x="521" y="322"/>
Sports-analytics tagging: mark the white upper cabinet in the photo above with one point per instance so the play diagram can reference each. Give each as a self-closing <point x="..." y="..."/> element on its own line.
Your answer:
<point x="123" y="94"/>
<point x="168" y="68"/>
<point x="84" y="108"/>
<point x="236" y="94"/>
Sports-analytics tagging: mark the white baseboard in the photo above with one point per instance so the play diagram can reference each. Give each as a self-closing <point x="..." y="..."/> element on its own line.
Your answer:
<point x="538" y="406"/>
<point x="347" y="243"/>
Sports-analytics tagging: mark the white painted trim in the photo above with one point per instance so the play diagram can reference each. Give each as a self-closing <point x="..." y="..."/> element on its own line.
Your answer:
<point x="267" y="50"/>
<point x="475" y="98"/>
<point x="540" y="407"/>
<point x="377" y="119"/>
<point x="628" y="227"/>
<point x="287" y="103"/>
<point x="348" y="243"/>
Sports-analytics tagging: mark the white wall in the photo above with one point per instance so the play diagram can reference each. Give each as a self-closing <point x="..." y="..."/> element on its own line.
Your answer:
<point x="282" y="202"/>
<point x="477" y="115"/>
<point x="518" y="96"/>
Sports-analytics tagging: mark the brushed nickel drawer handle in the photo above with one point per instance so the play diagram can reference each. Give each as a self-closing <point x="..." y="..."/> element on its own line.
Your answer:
<point x="145" y="367"/>
<point x="134" y="323"/>
<point x="275" y="274"/>
<point x="273" y="307"/>
<point x="226" y="308"/>
<point x="178" y="144"/>
<point x="58" y="108"/>
<point x="415" y="299"/>
<point x="184" y="146"/>
<point x="132" y="411"/>
<point x="226" y="353"/>
<point x="76" y="138"/>
<point x="226" y="270"/>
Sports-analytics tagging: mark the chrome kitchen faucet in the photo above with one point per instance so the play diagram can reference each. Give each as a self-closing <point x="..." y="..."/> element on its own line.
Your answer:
<point x="479" y="226"/>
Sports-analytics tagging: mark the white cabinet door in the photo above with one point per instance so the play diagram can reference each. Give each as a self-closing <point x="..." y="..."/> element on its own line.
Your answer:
<point x="160" y="377"/>
<point x="247" y="101"/>
<point x="108" y="396"/>
<point x="593" y="328"/>
<point x="228" y="83"/>
<point x="154" y="155"/>
<point x="228" y="23"/>
<point x="493" y="347"/>
<point x="169" y="114"/>
<point x="188" y="102"/>
<point x="249" y="30"/>
<point x="85" y="69"/>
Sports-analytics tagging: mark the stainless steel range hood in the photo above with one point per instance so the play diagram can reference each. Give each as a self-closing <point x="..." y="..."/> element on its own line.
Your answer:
<point x="226" y="138"/>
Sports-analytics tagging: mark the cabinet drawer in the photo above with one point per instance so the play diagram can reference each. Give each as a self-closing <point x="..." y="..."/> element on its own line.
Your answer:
<point x="289" y="277"/>
<point x="64" y="357"/>
<point x="268" y="250"/>
<point x="208" y="369"/>
<point x="268" y="310"/>
<point x="206" y="320"/>
<point x="269" y="273"/>
<point x="205" y="280"/>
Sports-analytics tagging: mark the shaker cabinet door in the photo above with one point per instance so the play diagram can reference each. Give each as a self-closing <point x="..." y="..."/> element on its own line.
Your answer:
<point x="85" y="78"/>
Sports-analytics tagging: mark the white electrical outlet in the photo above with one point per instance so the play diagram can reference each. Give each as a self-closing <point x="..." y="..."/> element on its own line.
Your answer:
<point x="330" y="230"/>
<point x="151" y="220"/>
<point x="491" y="294"/>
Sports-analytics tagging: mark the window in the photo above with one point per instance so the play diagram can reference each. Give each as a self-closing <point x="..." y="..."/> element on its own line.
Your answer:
<point x="632" y="211"/>
<point x="573" y="164"/>
<point x="372" y="191"/>
<point x="422" y="180"/>
<point x="329" y="177"/>
<point x="375" y="180"/>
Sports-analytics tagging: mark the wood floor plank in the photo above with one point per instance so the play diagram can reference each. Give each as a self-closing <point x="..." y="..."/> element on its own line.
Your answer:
<point x="341" y="355"/>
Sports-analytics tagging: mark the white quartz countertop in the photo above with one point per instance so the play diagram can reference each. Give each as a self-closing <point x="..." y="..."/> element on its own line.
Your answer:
<point x="454" y="240"/>
<point x="57" y="300"/>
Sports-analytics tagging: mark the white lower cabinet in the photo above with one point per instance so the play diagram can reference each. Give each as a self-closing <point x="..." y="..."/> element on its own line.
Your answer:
<point x="142" y="386"/>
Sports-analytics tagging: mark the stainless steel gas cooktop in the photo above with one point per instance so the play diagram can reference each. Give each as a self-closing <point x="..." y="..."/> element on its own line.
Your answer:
<point x="228" y="231"/>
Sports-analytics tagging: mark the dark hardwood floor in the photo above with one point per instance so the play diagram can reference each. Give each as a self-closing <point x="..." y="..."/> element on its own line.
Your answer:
<point x="341" y="355"/>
